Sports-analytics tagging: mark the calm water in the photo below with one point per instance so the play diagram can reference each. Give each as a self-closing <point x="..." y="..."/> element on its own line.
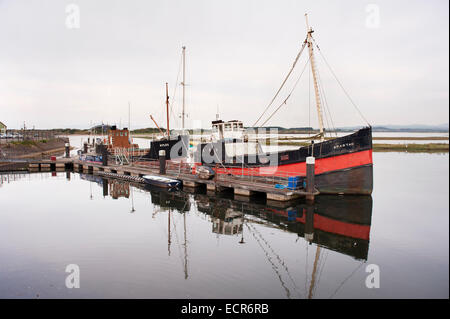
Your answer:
<point x="131" y="242"/>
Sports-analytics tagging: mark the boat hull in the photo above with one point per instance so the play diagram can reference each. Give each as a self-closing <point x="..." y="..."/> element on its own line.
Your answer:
<point x="343" y="165"/>
<point x="174" y="148"/>
<point x="161" y="181"/>
<point x="350" y="181"/>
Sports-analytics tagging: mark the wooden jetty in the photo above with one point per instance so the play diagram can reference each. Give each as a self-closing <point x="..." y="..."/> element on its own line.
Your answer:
<point x="241" y="186"/>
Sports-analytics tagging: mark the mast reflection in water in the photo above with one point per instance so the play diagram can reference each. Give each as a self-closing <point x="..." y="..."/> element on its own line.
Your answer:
<point x="184" y="245"/>
<point x="336" y="223"/>
<point x="132" y="242"/>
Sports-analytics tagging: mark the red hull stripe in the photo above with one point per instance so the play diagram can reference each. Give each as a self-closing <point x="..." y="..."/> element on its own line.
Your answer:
<point x="341" y="228"/>
<point x="334" y="226"/>
<point x="323" y="165"/>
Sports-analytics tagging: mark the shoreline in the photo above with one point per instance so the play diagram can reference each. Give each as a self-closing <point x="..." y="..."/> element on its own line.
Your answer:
<point x="32" y="149"/>
<point x="410" y="148"/>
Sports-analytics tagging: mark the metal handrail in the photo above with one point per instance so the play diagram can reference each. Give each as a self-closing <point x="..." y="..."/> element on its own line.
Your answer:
<point x="176" y="168"/>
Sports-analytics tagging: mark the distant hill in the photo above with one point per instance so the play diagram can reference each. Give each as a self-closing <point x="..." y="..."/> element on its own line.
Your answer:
<point x="148" y="130"/>
<point x="413" y="128"/>
<point x="441" y="128"/>
<point x="376" y="128"/>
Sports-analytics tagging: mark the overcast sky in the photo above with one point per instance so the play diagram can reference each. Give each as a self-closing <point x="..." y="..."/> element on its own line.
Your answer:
<point x="392" y="58"/>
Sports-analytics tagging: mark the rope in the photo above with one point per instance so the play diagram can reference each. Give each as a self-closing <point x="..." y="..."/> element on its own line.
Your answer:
<point x="282" y="84"/>
<point x="284" y="102"/>
<point x="278" y="258"/>
<point x="343" y="282"/>
<point x="274" y="267"/>
<point x="325" y="103"/>
<point x="340" y="84"/>
<point x="175" y="92"/>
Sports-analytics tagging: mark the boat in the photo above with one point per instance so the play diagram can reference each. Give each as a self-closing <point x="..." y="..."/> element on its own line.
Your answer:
<point x="175" y="147"/>
<point x="119" y="141"/>
<point x="160" y="181"/>
<point x="343" y="165"/>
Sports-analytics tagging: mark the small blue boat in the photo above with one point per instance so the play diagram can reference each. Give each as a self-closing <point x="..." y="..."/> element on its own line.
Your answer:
<point x="161" y="181"/>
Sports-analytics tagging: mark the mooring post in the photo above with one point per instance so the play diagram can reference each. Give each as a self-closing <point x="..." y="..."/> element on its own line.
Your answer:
<point x="67" y="148"/>
<point x="162" y="162"/>
<point x="104" y="156"/>
<point x="310" y="174"/>
<point x="105" y="187"/>
<point x="309" y="223"/>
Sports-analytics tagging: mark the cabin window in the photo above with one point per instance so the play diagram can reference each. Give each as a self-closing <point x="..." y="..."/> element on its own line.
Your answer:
<point x="227" y="127"/>
<point x="235" y="126"/>
<point x="241" y="126"/>
<point x="121" y="133"/>
<point x="125" y="133"/>
<point x="117" y="134"/>
<point x="214" y="128"/>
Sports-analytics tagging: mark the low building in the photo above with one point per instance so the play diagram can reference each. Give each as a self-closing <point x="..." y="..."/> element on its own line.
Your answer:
<point x="2" y="128"/>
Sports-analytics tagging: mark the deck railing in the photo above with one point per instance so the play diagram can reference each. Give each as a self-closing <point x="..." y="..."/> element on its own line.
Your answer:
<point x="176" y="168"/>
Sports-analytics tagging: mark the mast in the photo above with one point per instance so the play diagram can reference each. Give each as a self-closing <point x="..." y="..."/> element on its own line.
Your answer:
<point x="184" y="86"/>
<point x="132" y="200"/>
<point x="129" y="121"/>
<point x="167" y="109"/>
<point x="169" y="241"/>
<point x="313" y="276"/>
<point x="162" y="133"/>
<point x="185" y="249"/>
<point x="313" y="70"/>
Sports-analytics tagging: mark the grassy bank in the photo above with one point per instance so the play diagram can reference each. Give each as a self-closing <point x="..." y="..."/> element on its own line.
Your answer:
<point x="380" y="138"/>
<point x="413" y="147"/>
<point x="28" y="142"/>
<point x="30" y="148"/>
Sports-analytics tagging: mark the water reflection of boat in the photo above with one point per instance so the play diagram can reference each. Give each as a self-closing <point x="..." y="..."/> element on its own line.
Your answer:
<point x="92" y="178"/>
<point x="337" y="223"/>
<point x="340" y="223"/>
<point x="174" y="200"/>
<point x="230" y="223"/>
<point x="167" y="201"/>
<point x="118" y="189"/>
